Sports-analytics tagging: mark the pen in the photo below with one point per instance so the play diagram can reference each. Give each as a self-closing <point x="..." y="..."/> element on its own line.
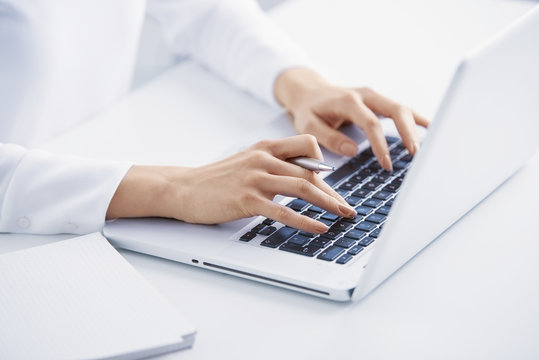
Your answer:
<point x="311" y="164"/>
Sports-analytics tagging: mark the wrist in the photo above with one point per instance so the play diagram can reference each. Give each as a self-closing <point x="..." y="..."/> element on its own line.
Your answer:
<point x="144" y="191"/>
<point x="293" y="85"/>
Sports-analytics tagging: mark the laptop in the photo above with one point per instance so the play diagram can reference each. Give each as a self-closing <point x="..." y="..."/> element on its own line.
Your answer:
<point x="485" y="129"/>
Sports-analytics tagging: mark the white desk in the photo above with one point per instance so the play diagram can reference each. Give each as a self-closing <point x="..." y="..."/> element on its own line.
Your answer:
<point x="472" y="294"/>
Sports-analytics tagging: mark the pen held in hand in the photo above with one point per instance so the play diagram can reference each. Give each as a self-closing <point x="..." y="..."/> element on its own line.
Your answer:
<point x="311" y="164"/>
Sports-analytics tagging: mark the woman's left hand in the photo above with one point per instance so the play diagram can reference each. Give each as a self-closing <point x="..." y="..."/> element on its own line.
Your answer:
<point x="320" y="109"/>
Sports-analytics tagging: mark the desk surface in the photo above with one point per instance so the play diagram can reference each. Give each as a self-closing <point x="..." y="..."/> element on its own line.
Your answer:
<point x="471" y="294"/>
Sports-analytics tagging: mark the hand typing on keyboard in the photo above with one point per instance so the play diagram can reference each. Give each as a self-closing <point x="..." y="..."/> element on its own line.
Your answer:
<point x="241" y="185"/>
<point x="319" y="108"/>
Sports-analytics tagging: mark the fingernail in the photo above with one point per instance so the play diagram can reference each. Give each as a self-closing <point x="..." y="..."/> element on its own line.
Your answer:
<point x="347" y="210"/>
<point x="349" y="149"/>
<point x="386" y="163"/>
<point x="416" y="147"/>
<point x="321" y="228"/>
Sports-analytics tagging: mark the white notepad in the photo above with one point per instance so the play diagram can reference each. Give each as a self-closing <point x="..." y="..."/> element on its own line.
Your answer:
<point x="80" y="299"/>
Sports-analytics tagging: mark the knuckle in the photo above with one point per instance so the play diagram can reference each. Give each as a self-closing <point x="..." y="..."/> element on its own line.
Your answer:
<point x="257" y="156"/>
<point x="248" y="198"/>
<point x="303" y="186"/>
<point x="253" y="178"/>
<point x="283" y="214"/>
<point x="313" y="143"/>
<point x="309" y="176"/>
<point x="311" y="139"/>
<point x="371" y="122"/>
<point x="367" y="90"/>
<point x="264" y="144"/>
<point x="303" y="222"/>
<point x="350" y="98"/>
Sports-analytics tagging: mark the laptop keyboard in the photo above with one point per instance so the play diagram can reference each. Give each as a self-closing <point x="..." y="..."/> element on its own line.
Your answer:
<point x="365" y="186"/>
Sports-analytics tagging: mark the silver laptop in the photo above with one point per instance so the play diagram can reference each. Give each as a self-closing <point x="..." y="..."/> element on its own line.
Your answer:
<point x="485" y="129"/>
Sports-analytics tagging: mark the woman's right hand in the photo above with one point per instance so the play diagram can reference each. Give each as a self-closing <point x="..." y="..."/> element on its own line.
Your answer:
<point x="239" y="186"/>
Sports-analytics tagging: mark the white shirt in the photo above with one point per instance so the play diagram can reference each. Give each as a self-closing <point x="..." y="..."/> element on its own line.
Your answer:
<point x="61" y="61"/>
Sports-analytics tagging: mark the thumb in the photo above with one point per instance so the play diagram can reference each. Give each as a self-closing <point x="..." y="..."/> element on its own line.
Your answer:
<point x="332" y="139"/>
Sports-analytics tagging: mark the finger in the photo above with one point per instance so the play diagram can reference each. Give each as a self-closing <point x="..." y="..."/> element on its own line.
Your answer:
<point x="421" y="120"/>
<point x="289" y="217"/>
<point x="293" y="146"/>
<point x="283" y="168"/>
<point x="301" y="188"/>
<point x="362" y="116"/>
<point x="332" y="139"/>
<point x="402" y="116"/>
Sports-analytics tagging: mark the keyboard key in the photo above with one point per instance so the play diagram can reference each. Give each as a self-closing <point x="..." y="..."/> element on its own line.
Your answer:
<point x="331" y="234"/>
<point x="279" y="237"/>
<point x="355" y="234"/>
<point x="341" y="226"/>
<point x="376" y="218"/>
<point x="325" y="221"/>
<point x="299" y="240"/>
<point x="310" y="214"/>
<point x="353" y="200"/>
<point x="316" y="209"/>
<point x="400" y="165"/>
<point x="375" y="166"/>
<point x="384" y="210"/>
<point x="341" y="173"/>
<point x="407" y="158"/>
<point x="391" y="187"/>
<point x="267" y="230"/>
<point x="302" y="250"/>
<point x="363" y="193"/>
<point x="355" y="250"/>
<point x="382" y="195"/>
<point x="248" y="236"/>
<point x="389" y="203"/>
<point x="365" y="226"/>
<point x="341" y="192"/>
<point x="381" y="178"/>
<point x="347" y="186"/>
<point x="367" y="172"/>
<point x="258" y="228"/>
<point x="307" y="234"/>
<point x="298" y="204"/>
<point x="363" y="210"/>
<point x="344" y="242"/>
<point x="321" y="242"/>
<point x="366" y="241"/>
<point x="368" y="151"/>
<point x="392" y="139"/>
<point x="344" y="259"/>
<point x="371" y="203"/>
<point x="375" y="233"/>
<point x="358" y="178"/>
<point x="331" y="253"/>
<point x="329" y="216"/>
<point x="371" y="185"/>
<point x="353" y="220"/>
<point x="268" y="221"/>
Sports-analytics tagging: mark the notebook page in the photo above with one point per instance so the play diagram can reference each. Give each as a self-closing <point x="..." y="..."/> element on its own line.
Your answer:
<point x="79" y="298"/>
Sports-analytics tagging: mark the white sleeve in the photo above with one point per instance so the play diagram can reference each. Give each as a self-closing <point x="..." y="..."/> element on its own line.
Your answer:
<point x="231" y="37"/>
<point x="42" y="193"/>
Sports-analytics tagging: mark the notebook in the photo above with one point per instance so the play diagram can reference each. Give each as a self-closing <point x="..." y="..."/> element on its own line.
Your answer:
<point x="79" y="298"/>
